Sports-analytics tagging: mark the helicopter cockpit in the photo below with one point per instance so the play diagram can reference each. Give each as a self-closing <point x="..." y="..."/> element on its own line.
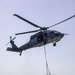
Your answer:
<point x="54" y="32"/>
<point x="38" y="37"/>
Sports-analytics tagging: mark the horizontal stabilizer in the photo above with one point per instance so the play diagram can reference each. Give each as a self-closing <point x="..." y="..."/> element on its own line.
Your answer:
<point x="13" y="50"/>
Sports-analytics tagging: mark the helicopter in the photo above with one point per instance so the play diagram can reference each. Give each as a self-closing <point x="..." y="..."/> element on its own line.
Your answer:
<point x="41" y="38"/>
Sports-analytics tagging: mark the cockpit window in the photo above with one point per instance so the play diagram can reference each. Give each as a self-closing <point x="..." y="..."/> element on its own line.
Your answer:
<point x="45" y="34"/>
<point x="51" y="32"/>
<point x="56" y="32"/>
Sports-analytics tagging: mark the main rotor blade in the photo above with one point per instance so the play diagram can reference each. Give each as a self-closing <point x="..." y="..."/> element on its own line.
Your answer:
<point x="27" y="21"/>
<point x="66" y="34"/>
<point x="62" y="21"/>
<point x="26" y="32"/>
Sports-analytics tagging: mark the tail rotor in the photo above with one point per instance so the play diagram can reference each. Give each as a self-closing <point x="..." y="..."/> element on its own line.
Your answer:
<point x="11" y="39"/>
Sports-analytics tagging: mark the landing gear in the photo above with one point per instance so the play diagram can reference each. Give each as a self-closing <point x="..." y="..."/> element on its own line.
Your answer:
<point x="20" y="54"/>
<point x="54" y="44"/>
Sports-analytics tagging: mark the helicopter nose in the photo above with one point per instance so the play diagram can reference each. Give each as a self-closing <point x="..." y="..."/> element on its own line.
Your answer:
<point x="62" y="35"/>
<point x="59" y="35"/>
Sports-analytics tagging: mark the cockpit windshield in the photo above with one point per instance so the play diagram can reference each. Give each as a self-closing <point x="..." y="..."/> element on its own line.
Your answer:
<point x="54" y="32"/>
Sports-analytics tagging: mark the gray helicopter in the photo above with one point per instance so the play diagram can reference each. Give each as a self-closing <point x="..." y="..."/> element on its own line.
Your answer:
<point x="41" y="38"/>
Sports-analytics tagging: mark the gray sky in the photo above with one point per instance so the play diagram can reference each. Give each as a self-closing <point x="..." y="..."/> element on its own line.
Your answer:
<point x="61" y="59"/>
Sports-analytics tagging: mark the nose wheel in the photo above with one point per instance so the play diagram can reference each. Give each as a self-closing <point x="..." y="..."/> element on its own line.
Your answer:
<point x="54" y="44"/>
<point x="20" y="54"/>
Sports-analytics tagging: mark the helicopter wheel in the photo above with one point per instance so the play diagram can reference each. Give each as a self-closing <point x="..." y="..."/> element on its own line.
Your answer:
<point x="54" y="44"/>
<point x="20" y="54"/>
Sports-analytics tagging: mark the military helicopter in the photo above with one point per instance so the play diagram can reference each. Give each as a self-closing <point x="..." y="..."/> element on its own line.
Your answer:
<point x="41" y="38"/>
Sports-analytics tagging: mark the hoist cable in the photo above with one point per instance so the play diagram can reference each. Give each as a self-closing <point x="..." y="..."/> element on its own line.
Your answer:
<point x="47" y="68"/>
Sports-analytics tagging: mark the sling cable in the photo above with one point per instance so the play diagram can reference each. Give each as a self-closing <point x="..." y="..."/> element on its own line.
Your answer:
<point x="47" y="67"/>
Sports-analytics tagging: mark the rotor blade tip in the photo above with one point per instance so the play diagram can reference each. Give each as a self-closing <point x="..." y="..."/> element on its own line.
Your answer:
<point x="66" y="34"/>
<point x="15" y="34"/>
<point x="14" y="14"/>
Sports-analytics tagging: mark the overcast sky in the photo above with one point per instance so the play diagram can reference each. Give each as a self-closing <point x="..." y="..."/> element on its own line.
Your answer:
<point x="61" y="59"/>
